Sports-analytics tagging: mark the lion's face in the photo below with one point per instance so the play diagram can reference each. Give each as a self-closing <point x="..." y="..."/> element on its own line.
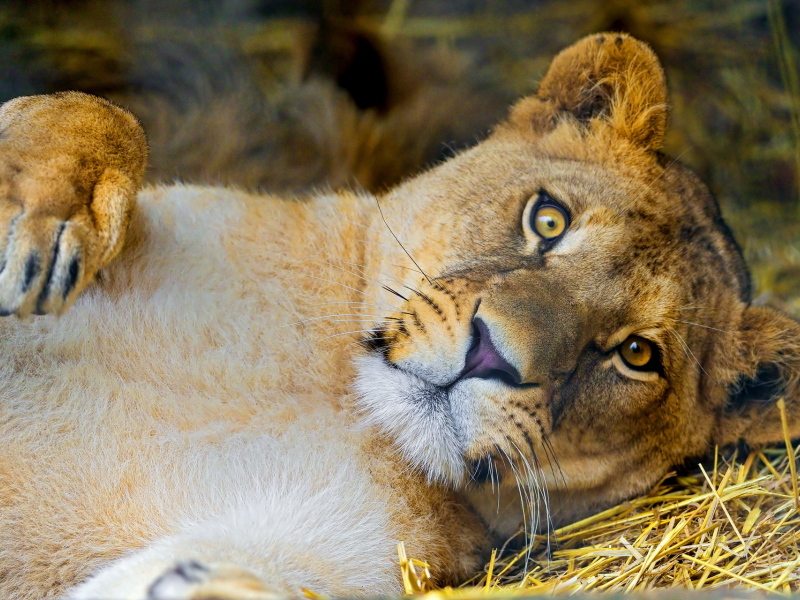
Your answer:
<point x="583" y="323"/>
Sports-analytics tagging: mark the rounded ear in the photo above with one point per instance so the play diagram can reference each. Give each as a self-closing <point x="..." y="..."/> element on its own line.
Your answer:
<point x="769" y="369"/>
<point x="609" y="76"/>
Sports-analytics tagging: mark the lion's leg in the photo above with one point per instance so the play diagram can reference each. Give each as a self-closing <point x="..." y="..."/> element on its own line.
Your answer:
<point x="172" y="570"/>
<point x="261" y="551"/>
<point x="70" y="168"/>
<point x="271" y="514"/>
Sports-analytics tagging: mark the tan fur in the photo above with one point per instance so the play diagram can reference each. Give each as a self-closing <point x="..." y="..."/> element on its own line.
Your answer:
<point x="73" y="160"/>
<point x="203" y="422"/>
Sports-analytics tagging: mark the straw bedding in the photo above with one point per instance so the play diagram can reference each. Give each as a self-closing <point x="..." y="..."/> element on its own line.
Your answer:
<point x="733" y="523"/>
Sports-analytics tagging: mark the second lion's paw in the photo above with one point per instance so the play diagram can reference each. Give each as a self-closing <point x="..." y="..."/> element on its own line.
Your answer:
<point x="193" y="580"/>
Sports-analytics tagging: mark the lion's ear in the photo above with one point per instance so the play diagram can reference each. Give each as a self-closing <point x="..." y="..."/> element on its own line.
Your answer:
<point x="609" y="76"/>
<point x="769" y="369"/>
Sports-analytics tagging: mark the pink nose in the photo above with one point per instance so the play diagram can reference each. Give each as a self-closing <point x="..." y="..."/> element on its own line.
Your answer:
<point x="484" y="361"/>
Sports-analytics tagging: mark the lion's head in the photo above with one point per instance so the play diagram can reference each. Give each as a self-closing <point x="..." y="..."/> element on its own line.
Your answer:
<point x="583" y="322"/>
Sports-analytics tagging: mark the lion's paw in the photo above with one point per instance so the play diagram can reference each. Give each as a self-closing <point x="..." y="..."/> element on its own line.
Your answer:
<point x="70" y="167"/>
<point x="42" y="261"/>
<point x="193" y="580"/>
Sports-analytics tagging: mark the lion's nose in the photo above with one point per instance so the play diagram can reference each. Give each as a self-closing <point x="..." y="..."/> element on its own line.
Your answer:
<point x="484" y="361"/>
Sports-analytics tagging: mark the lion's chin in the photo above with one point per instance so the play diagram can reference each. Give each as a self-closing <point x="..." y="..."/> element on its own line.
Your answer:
<point x="416" y="414"/>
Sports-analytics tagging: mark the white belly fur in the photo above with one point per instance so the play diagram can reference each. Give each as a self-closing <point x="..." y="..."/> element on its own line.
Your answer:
<point x="167" y="399"/>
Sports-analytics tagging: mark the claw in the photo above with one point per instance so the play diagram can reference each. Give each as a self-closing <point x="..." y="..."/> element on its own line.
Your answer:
<point x="192" y="580"/>
<point x="32" y="270"/>
<point x="72" y="277"/>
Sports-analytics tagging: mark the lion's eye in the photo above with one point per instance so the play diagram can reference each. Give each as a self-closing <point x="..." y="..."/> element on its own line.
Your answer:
<point x="638" y="353"/>
<point x="548" y="220"/>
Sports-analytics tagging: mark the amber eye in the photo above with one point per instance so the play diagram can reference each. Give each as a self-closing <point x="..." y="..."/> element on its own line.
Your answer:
<point x="549" y="221"/>
<point x="637" y="352"/>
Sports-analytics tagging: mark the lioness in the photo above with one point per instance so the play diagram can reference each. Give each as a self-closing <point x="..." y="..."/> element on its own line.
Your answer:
<point x="258" y="394"/>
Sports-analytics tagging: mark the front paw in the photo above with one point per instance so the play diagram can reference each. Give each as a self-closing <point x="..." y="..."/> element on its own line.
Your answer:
<point x="70" y="167"/>
<point x="43" y="262"/>
<point x="193" y="580"/>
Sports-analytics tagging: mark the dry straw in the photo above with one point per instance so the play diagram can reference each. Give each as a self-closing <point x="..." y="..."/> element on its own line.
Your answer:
<point x="736" y="525"/>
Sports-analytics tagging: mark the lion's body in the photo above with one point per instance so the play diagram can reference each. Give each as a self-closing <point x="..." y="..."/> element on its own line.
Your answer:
<point x="264" y="431"/>
<point x="204" y="423"/>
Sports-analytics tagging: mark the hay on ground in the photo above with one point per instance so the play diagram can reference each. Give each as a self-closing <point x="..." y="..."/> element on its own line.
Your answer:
<point x="735" y="523"/>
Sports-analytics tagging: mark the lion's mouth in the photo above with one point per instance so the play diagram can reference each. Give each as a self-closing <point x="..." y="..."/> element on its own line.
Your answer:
<point x="439" y="419"/>
<point x="482" y="470"/>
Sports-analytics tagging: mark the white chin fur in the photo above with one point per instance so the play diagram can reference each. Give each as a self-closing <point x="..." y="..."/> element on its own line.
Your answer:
<point x="415" y="414"/>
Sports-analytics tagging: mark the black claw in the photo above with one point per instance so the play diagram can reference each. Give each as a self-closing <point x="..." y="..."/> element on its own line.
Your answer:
<point x="72" y="276"/>
<point x="5" y="313"/>
<point x="32" y="268"/>
<point x="188" y="570"/>
<point x="49" y="277"/>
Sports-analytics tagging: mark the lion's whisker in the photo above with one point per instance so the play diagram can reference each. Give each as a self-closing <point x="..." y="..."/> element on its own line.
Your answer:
<point x="405" y="285"/>
<point x="357" y="321"/>
<point x="368" y="279"/>
<point x="331" y="317"/>
<point x="542" y="497"/>
<point x="354" y="303"/>
<point x="523" y="496"/>
<point x="659" y="176"/>
<point x="704" y="326"/>
<point x="380" y="210"/>
<point x="357" y="224"/>
<point x="688" y="351"/>
<point x="390" y="246"/>
<point x="407" y="268"/>
<point x="550" y="452"/>
<point x="346" y="287"/>
<point x="691" y="307"/>
<point x="354" y="332"/>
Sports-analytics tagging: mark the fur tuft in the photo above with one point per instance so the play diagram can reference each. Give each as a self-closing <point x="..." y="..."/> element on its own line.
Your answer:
<point x="415" y="414"/>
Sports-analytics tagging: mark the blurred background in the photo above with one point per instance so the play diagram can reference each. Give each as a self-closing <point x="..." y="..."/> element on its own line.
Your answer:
<point x="296" y="95"/>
